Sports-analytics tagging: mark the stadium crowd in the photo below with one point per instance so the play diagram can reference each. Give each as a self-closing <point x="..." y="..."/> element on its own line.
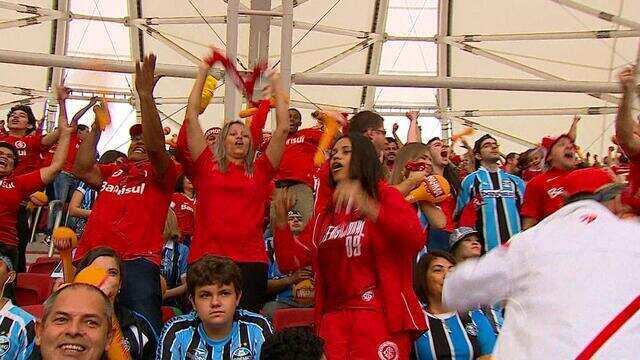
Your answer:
<point x="394" y="250"/>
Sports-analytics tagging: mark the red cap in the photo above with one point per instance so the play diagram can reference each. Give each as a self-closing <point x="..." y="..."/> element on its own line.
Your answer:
<point x="589" y="180"/>
<point x="135" y="130"/>
<point x="549" y="141"/>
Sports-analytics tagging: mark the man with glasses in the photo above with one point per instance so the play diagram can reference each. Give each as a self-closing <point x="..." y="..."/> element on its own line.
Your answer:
<point x="496" y="195"/>
<point x="371" y="125"/>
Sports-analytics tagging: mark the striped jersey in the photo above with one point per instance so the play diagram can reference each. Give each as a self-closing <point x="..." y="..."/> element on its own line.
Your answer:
<point x="497" y="197"/>
<point x="17" y="333"/>
<point x="457" y="336"/>
<point x="184" y="337"/>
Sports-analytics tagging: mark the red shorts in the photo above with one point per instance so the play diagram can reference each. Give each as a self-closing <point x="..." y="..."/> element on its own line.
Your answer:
<point x="362" y="335"/>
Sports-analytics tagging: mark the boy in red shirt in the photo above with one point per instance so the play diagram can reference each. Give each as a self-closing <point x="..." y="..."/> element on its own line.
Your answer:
<point x="130" y="211"/>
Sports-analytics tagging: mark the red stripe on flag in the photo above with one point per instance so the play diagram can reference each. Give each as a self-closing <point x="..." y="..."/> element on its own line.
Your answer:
<point x="610" y="329"/>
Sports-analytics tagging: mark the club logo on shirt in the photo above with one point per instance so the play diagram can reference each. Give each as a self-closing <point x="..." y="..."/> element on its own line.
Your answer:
<point x="471" y="329"/>
<point x="242" y="353"/>
<point x="7" y="184"/>
<point x="200" y="354"/>
<point x="5" y="345"/>
<point x="555" y="192"/>
<point x="388" y="350"/>
<point x="117" y="173"/>
<point x="367" y="296"/>
<point x="20" y="145"/>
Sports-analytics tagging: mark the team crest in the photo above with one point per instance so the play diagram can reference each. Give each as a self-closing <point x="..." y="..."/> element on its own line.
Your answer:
<point x="5" y="345"/>
<point x="388" y="350"/>
<point x="117" y="173"/>
<point x="200" y="354"/>
<point x="471" y="329"/>
<point x="20" y="144"/>
<point x="242" y="353"/>
<point x="367" y="296"/>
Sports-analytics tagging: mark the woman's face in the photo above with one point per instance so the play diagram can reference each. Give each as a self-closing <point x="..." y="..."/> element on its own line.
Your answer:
<point x="340" y="160"/>
<point x="187" y="185"/>
<point x="111" y="286"/>
<point x="237" y="142"/>
<point x="436" y="272"/>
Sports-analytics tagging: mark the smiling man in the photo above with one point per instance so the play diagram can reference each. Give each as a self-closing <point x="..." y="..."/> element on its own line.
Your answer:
<point x="76" y="324"/>
<point x="217" y="329"/>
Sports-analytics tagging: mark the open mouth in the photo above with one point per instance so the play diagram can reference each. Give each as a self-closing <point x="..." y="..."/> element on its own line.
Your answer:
<point x="4" y="161"/>
<point x="444" y="154"/>
<point x="569" y="155"/>
<point x="72" y="348"/>
<point x="336" y="166"/>
<point x="139" y="150"/>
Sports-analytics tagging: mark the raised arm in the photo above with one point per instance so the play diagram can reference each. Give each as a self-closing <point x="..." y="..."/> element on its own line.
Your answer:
<point x="152" y="132"/>
<point x="48" y="173"/>
<point x="62" y="93"/>
<point x="279" y="136"/>
<point x="196" y="141"/>
<point x="573" y="130"/>
<point x="625" y="125"/>
<point x="414" y="134"/>
<point x="85" y="167"/>
<point x="291" y="253"/>
<point x="81" y="112"/>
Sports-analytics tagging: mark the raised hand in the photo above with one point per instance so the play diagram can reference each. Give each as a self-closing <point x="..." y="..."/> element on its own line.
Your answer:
<point x="627" y="78"/>
<point x="145" y="75"/>
<point x="62" y="93"/>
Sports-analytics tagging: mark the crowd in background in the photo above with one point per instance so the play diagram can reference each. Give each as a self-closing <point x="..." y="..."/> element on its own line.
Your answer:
<point x="227" y="227"/>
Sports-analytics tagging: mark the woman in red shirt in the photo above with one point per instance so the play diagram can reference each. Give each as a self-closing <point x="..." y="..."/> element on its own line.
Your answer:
<point x="233" y="190"/>
<point x="361" y="244"/>
<point x="183" y="204"/>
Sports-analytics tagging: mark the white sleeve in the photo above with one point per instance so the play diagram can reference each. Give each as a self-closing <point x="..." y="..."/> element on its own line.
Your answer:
<point x="482" y="281"/>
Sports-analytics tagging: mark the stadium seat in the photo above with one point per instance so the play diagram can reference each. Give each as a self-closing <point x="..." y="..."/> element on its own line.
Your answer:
<point x="44" y="265"/>
<point x="33" y="289"/>
<point x="36" y="310"/>
<point x="293" y="317"/>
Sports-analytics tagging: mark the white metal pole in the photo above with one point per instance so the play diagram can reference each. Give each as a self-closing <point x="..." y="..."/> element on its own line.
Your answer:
<point x="323" y="28"/>
<point x="339" y="57"/>
<point x="182" y="20"/>
<point x="443" y="67"/>
<point x="575" y="35"/>
<point x="600" y="14"/>
<point x="296" y="3"/>
<point x="367" y="100"/>
<point x="30" y="9"/>
<point x="175" y="47"/>
<point x="135" y="48"/>
<point x="119" y="20"/>
<point x="28" y="101"/>
<point x="596" y="110"/>
<point x="286" y="44"/>
<point x="231" y="104"/>
<point x="94" y="64"/>
<point x="27" y="21"/>
<point x="456" y="83"/>
<point x="541" y="74"/>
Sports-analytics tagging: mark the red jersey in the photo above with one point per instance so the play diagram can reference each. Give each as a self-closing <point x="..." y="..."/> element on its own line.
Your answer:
<point x="360" y="264"/>
<point x="529" y="174"/>
<point x="230" y="209"/>
<point x="184" y="207"/>
<point x="130" y="211"/>
<point x="12" y="191"/>
<point x="297" y="159"/>
<point x="543" y="195"/>
<point x="29" y="148"/>
<point x="74" y="145"/>
<point x="448" y="207"/>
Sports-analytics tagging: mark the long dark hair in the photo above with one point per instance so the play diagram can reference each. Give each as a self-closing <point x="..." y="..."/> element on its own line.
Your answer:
<point x="95" y="253"/>
<point x="420" y="272"/>
<point x="364" y="166"/>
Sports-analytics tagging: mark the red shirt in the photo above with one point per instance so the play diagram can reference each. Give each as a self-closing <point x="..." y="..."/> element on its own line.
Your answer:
<point x="29" y="148"/>
<point x="358" y="262"/>
<point x="12" y="191"/>
<point x="448" y="207"/>
<point x="543" y="195"/>
<point x="529" y="174"/>
<point x="130" y="211"/>
<point x="184" y="207"/>
<point x="74" y="145"/>
<point x="297" y="160"/>
<point x="230" y="209"/>
<point x="622" y="172"/>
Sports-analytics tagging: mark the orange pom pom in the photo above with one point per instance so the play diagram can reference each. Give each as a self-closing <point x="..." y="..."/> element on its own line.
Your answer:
<point x="467" y="131"/>
<point x="434" y="189"/>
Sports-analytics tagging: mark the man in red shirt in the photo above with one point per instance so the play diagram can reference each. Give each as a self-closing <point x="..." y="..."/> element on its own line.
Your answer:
<point x="297" y="167"/>
<point x="628" y="136"/>
<point x="130" y="211"/>
<point x="543" y="195"/>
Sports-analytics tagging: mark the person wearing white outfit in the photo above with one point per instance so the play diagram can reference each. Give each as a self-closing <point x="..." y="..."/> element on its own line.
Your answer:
<point x="571" y="283"/>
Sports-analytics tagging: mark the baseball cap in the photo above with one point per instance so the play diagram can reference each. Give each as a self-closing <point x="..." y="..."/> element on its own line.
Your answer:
<point x="135" y="130"/>
<point x="5" y="259"/>
<point x="591" y="181"/>
<point x="549" y="141"/>
<point x="459" y="234"/>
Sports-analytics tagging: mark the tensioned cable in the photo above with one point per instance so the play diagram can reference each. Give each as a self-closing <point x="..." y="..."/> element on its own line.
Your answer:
<point x="404" y="43"/>
<point x="310" y="29"/>
<point x="212" y="29"/>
